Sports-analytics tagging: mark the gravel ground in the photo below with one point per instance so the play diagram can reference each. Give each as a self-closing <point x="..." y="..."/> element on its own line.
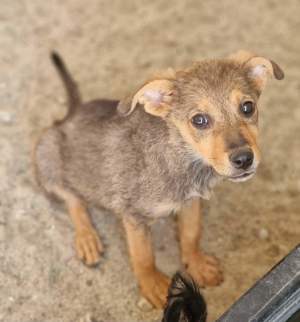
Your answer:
<point x="110" y="47"/>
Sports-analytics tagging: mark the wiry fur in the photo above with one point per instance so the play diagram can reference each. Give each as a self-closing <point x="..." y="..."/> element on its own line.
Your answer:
<point x="114" y="150"/>
<point x="144" y="158"/>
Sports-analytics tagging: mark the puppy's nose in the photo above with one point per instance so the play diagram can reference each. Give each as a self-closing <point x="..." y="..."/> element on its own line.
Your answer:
<point x="242" y="159"/>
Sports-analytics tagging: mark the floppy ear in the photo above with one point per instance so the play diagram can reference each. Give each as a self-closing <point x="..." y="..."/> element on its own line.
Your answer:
<point x="155" y="95"/>
<point x="259" y="68"/>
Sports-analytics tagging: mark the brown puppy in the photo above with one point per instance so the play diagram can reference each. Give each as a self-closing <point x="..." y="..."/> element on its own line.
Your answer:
<point x="154" y="153"/>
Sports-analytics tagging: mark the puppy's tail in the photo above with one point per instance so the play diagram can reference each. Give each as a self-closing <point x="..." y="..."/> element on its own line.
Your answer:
<point x="74" y="98"/>
<point x="184" y="302"/>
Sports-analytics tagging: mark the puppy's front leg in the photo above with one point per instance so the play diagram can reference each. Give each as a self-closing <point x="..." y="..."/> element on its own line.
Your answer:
<point x="87" y="242"/>
<point x="203" y="268"/>
<point x="153" y="284"/>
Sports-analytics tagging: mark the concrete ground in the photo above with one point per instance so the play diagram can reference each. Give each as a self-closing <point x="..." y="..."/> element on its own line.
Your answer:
<point x="110" y="47"/>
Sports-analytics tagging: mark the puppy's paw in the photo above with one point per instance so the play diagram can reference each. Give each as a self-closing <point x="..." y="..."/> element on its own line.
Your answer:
<point x="154" y="287"/>
<point x="88" y="246"/>
<point x="204" y="269"/>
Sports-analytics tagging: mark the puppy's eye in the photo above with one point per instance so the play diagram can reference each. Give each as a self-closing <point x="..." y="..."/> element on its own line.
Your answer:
<point x="247" y="108"/>
<point x="201" y="121"/>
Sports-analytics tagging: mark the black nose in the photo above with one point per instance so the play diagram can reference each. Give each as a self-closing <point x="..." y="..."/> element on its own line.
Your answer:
<point x="242" y="159"/>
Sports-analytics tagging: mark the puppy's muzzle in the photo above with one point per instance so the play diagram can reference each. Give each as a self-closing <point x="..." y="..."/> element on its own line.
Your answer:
<point x="242" y="159"/>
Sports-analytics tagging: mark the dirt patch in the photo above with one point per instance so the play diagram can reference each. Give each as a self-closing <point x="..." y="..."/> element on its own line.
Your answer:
<point x="110" y="47"/>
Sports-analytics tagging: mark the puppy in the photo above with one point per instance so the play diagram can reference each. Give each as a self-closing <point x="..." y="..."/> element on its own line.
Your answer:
<point x="156" y="152"/>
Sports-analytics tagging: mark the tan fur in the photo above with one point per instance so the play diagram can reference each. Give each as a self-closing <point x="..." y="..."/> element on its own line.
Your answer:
<point x="87" y="242"/>
<point x="250" y="132"/>
<point x="158" y="108"/>
<point x="204" y="268"/>
<point x="153" y="284"/>
<point x="250" y="60"/>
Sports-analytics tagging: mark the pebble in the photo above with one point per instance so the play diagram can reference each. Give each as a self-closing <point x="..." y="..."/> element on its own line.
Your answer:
<point x="263" y="234"/>
<point x="20" y="213"/>
<point x="144" y="305"/>
<point x="5" y="117"/>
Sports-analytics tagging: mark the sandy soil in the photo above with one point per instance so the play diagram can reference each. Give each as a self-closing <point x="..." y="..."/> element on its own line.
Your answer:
<point x="110" y="47"/>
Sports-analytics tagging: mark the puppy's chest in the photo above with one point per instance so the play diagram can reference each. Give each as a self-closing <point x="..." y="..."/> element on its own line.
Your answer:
<point x="164" y="208"/>
<point x="167" y="207"/>
<point x="192" y="193"/>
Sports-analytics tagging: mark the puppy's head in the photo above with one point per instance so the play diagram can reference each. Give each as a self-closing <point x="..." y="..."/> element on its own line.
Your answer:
<point x="214" y="106"/>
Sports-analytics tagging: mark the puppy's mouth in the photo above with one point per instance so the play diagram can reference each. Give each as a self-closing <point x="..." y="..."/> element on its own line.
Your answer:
<point x="242" y="177"/>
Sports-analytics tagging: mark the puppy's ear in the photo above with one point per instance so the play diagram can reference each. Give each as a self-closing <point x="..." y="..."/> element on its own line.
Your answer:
<point x="259" y="68"/>
<point x="155" y="96"/>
